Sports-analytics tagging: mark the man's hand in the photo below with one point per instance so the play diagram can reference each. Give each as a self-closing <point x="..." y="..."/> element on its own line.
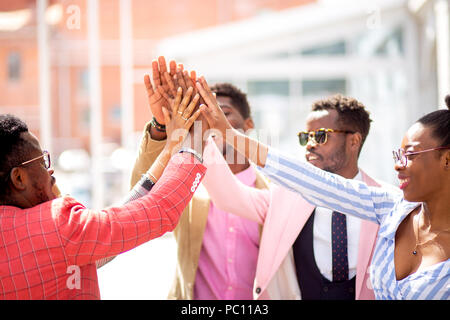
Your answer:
<point x="212" y="111"/>
<point x="160" y="93"/>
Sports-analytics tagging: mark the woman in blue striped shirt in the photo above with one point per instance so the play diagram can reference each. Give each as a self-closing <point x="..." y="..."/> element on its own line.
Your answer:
<point x="411" y="257"/>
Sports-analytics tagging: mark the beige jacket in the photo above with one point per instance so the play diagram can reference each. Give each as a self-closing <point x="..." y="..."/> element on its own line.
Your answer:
<point x="189" y="232"/>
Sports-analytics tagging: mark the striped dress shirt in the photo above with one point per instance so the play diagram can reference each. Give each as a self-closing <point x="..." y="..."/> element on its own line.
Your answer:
<point x="383" y="206"/>
<point x="50" y="251"/>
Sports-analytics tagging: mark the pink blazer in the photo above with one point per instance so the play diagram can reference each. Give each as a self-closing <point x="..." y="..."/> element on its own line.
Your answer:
<point x="282" y="214"/>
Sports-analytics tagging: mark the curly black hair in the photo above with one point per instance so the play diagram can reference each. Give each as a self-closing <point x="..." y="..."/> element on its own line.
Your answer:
<point x="12" y="148"/>
<point x="238" y="97"/>
<point x="439" y="122"/>
<point x="353" y="115"/>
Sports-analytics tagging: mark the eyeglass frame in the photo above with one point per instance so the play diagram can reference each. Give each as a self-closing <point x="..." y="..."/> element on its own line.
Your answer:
<point x="312" y="134"/>
<point x="47" y="162"/>
<point x="402" y="160"/>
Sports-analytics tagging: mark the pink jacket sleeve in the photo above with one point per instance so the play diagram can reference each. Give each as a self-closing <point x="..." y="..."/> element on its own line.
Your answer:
<point x="228" y="193"/>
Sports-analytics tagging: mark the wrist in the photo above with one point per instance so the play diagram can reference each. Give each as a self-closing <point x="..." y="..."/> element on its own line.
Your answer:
<point x="159" y="126"/>
<point x="156" y="134"/>
<point x="194" y="142"/>
<point x="197" y="155"/>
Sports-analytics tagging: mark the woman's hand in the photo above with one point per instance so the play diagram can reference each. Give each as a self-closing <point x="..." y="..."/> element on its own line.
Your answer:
<point x="181" y="118"/>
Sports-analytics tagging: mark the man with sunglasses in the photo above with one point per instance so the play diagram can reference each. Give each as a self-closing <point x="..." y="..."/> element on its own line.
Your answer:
<point x="306" y="252"/>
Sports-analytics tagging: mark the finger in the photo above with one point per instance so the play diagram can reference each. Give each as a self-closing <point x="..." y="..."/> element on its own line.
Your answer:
<point x="176" y="102"/>
<point x="163" y="92"/>
<point x="181" y="66"/>
<point x="155" y="73"/>
<point x="162" y="70"/>
<point x="205" y="85"/>
<point x="186" y="99"/>
<point x="193" y="76"/>
<point x="148" y="85"/>
<point x="192" y="119"/>
<point x="211" y="95"/>
<point x="180" y="79"/>
<point x="170" y="83"/>
<point x="166" y="115"/>
<point x="204" y="94"/>
<point x="187" y="79"/>
<point x="187" y="113"/>
<point x="173" y="67"/>
<point x="162" y="64"/>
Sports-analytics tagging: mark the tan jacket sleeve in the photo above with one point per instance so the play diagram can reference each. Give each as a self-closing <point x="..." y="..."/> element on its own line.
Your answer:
<point x="148" y="152"/>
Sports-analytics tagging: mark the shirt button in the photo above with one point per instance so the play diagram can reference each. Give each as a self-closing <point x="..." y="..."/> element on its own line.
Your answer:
<point x="231" y="229"/>
<point x="230" y="288"/>
<point x="258" y="290"/>
<point x="230" y="260"/>
<point x="325" y="289"/>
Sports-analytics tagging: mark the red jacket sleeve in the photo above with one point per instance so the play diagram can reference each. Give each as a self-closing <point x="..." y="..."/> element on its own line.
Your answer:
<point x="89" y="235"/>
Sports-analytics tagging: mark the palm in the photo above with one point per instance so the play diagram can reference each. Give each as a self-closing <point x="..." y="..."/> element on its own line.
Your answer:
<point x="159" y="93"/>
<point x="157" y="101"/>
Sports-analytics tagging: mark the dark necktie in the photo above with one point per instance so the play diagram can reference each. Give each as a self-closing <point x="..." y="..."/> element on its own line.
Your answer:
<point x="339" y="246"/>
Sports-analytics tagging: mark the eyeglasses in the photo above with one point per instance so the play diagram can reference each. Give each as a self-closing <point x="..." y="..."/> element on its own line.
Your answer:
<point x="45" y="155"/>
<point x="47" y="162"/>
<point x="319" y="136"/>
<point x="401" y="156"/>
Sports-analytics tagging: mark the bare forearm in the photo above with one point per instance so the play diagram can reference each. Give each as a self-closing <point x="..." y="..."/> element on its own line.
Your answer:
<point x="252" y="149"/>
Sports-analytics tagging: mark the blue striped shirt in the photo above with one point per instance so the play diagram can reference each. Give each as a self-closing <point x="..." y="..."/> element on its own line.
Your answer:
<point x="380" y="205"/>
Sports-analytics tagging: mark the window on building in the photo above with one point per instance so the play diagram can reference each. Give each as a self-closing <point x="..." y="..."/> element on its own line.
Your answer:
<point x="392" y="44"/>
<point x="324" y="87"/>
<point x="115" y="113"/>
<point x="280" y="88"/>
<point x="14" y="66"/>
<point x="83" y="81"/>
<point x="336" y="48"/>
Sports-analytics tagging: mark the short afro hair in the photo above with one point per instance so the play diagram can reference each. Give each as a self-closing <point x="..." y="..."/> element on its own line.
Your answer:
<point x="352" y="114"/>
<point x="238" y="98"/>
<point x="12" y="147"/>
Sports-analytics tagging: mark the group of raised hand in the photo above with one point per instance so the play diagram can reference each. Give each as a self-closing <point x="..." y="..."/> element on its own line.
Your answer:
<point x="177" y="98"/>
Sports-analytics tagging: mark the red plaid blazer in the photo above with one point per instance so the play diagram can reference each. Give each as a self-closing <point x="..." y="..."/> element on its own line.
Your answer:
<point x="49" y="251"/>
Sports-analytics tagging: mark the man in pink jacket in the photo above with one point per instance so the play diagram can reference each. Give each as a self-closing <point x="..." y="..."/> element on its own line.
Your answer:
<point x="306" y="252"/>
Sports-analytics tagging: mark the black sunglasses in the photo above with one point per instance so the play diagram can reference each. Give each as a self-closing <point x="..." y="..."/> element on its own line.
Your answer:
<point x="319" y="136"/>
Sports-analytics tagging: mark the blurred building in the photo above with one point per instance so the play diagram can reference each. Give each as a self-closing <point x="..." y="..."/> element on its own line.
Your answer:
<point x="128" y="34"/>
<point x="73" y="69"/>
<point x="392" y="55"/>
<point x="151" y="22"/>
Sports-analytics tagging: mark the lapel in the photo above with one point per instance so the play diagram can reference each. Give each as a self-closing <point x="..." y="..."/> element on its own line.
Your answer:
<point x="198" y="216"/>
<point x="288" y="214"/>
<point x="367" y="238"/>
<point x="260" y="183"/>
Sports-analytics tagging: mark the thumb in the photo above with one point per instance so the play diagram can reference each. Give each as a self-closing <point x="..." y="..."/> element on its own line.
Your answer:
<point x="166" y="115"/>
